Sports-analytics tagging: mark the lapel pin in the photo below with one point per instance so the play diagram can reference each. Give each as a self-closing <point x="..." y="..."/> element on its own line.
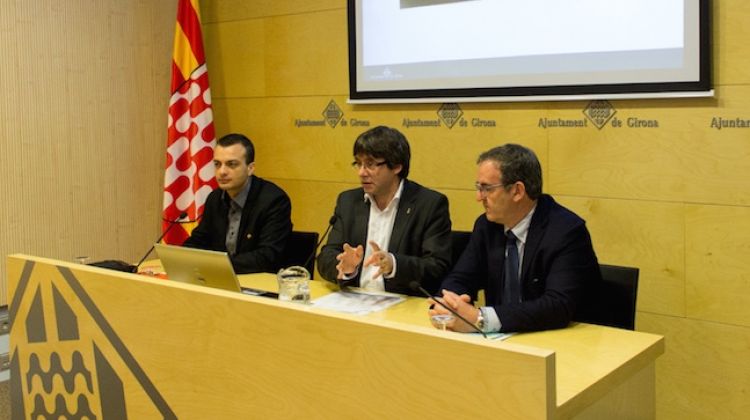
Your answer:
<point x="408" y="210"/>
<point x="249" y="235"/>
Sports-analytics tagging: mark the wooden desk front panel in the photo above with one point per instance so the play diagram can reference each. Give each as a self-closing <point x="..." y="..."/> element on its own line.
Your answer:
<point x="161" y="349"/>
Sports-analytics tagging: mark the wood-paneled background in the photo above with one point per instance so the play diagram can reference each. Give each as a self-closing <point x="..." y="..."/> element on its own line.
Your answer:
<point x="83" y="128"/>
<point x="83" y="118"/>
<point x="672" y="200"/>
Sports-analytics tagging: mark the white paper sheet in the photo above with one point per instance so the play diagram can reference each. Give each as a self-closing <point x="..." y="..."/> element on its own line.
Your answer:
<point x="357" y="302"/>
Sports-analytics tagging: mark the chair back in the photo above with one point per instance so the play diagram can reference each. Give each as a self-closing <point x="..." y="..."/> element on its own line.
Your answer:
<point x="614" y="300"/>
<point x="299" y="247"/>
<point x="459" y="240"/>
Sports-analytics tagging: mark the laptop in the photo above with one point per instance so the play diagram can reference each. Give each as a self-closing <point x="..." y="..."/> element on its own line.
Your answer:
<point x="202" y="267"/>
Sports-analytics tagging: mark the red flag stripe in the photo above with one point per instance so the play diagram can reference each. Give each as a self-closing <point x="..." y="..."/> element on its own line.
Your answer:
<point x="177" y="79"/>
<point x="188" y="19"/>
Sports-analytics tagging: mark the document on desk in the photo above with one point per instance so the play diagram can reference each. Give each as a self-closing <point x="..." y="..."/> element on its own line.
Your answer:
<point x="357" y="302"/>
<point x="495" y="335"/>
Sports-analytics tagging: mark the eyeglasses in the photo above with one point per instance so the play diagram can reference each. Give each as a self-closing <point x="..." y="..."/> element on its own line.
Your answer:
<point x="369" y="165"/>
<point x="485" y="189"/>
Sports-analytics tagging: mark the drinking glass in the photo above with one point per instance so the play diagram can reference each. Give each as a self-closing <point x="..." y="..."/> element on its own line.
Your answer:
<point x="442" y="320"/>
<point x="294" y="284"/>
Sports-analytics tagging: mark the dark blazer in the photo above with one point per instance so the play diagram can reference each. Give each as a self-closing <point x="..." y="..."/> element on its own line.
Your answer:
<point x="420" y="240"/>
<point x="264" y="227"/>
<point x="558" y="272"/>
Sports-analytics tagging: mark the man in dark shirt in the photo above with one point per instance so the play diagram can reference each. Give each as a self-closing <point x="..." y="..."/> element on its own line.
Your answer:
<point x="532" y="256"/>
<point x="247" y="216"/>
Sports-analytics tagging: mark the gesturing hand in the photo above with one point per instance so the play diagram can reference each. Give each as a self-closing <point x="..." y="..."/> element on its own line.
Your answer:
<point x="380" y="258"/>
<point x="349" y="260"/>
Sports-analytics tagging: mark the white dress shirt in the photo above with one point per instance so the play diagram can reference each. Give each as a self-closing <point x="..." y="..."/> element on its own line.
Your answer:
<point x="379" y="230"/>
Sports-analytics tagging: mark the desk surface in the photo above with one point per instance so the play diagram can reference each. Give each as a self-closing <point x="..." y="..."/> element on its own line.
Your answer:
<point x="588" y="357"/>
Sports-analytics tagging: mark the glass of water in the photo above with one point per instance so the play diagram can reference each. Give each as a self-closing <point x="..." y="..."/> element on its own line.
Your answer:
<point x="442" y="320"/>
<point x="294" y="284"/>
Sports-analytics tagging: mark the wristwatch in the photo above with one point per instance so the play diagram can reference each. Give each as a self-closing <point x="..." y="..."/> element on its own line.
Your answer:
<point x="481" y="322"/>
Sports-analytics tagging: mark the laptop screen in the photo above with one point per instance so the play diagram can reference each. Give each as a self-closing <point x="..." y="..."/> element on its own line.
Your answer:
<point x="198" y="266"/>
<point x="203" y="268"/>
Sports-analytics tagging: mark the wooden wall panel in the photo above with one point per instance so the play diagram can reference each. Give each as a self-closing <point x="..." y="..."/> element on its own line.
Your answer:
<point x="647" y="235"/>
<point x="717" y="161"/>
<point x="730" y="35"/>
<point x="678" y="161"/>
<point x="704" y="374"/>
<point x="236" y="59"/>
<point x="445" y="159"/>
<point x="232" y="10"/>
<point x="83" y="126"/>
<point x="312" y="202"/>
<point x="464" y="208"/>
<point x="307" y="54"/>
<point x="717" y="270"/>
<point x="282" y="150"/>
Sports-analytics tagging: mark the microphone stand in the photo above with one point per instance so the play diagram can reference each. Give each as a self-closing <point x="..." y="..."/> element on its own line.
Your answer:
<point x="171" y="225"/>
<point x="331" y="221"/>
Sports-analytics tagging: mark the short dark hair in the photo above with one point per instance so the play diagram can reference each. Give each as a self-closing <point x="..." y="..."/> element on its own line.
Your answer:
<point x="385" y="143"/>
<point x="234" y="138"/>
<point x="516" y="163"/>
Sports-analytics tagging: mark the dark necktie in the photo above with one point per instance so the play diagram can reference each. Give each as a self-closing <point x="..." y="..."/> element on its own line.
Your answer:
<point x="512" y="292"/>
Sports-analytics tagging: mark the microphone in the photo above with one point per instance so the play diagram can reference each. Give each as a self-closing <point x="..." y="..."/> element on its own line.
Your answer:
<point x="171" y="225"/>
<point x="415" y="286"/>
<point x="331" y="221"/>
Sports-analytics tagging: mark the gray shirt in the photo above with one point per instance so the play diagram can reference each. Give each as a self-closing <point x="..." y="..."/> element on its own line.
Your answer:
<point x="234" y="217"/>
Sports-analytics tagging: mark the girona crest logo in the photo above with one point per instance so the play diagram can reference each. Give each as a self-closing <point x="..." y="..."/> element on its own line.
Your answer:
<point x="66" y="360"/>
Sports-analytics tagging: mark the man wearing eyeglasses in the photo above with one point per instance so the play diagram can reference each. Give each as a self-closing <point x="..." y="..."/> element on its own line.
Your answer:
<point x="390" y="231"/>
<point x="532" y="257"/>
<point x="247" y="216"/>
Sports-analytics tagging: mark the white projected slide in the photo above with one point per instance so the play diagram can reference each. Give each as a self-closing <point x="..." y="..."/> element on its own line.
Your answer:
<point x="513" y="28"/>
<point x="426" y="45"/>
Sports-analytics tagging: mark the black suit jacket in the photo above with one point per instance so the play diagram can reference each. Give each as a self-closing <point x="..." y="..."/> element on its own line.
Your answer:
<point x="264" y="227"/>
<point x="558" y="272"/>
<point x="420" y="240"/>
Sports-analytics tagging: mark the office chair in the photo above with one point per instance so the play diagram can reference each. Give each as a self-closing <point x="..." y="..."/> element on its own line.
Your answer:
<point x="459" y="240"/>
<point x="614" y="300"/>
<point x="299" y="247"/>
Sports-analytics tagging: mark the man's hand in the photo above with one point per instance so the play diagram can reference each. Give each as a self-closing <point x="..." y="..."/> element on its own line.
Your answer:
<point x="462" y="305"/>
<point x="380" y="258"/>
<point x="349" y="260"/>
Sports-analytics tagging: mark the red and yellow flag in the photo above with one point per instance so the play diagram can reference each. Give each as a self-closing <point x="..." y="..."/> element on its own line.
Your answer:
<point x="189" y="173"/>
